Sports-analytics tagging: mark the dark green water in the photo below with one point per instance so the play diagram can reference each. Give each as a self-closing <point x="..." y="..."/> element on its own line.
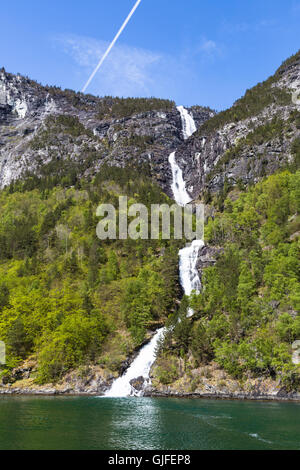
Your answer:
<point x="146" y="423"/>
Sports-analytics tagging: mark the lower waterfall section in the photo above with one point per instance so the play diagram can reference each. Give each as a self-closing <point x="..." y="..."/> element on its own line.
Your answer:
<point x="139" y="370"/>
<point x="189" y="276"/>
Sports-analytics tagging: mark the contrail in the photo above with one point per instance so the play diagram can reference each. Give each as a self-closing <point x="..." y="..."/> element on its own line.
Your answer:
<point x="111" y="45"/>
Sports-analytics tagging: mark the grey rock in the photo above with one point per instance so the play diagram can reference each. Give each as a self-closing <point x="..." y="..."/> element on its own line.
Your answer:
<point x="200" y="154"/>
<point x="138" y="383"/>
<point x="25" y="106"/>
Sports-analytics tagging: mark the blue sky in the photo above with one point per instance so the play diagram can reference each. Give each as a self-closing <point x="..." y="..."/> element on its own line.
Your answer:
<point x="196" y="52"/>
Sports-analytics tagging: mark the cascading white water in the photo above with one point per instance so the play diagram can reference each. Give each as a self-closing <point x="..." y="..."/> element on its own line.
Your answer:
<point x="180" y="193"/>
<point x="140" y="367"/>
<point x="189" y="277"/>
<point x="188" y="274"/>
<point x="188" y="123"/>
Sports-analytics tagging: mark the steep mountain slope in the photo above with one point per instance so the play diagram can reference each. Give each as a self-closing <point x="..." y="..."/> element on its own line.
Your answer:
<point x="70" y="301"/>
<point x="42" y="126"/>
<point x="239" y="342"/>
<point x="252" y="139"/>
<point x="75" y="309"/>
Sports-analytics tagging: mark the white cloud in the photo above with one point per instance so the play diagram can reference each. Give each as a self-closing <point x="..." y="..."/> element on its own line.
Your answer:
<point x="133" y="71"/>
<point x="208" y="46"/>
<point x="208" y="50"/>
<point x="126" y="71"/>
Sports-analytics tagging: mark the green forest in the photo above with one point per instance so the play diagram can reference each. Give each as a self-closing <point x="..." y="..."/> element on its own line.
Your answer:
<point x="247" y="316"/>
<point x="254" y="101"/>
<point x="66" y="298"/>
<point x="69" y="300"/>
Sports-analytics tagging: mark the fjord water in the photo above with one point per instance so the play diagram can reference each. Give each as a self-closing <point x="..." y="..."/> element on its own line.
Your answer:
<point x="146" y="423"/>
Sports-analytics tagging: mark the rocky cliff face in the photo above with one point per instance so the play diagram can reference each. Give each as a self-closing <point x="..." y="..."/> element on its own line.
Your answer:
<point x="252" y="139"/>
<point x="240" y="145"/>
<point x="34" y="134"/>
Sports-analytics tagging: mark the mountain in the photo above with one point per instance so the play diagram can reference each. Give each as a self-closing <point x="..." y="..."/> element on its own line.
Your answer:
<point x="45" y="127"/>
<point x="252" y="139"/>
<point x="245" y="326"/>
<point x="75" y="312"/>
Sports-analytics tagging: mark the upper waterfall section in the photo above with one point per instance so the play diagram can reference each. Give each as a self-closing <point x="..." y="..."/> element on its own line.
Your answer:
<point x="188" y="123"/>
<point x="180" y="193"/>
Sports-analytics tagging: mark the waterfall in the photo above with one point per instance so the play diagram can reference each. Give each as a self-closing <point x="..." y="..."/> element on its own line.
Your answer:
<point x="188" y="123"/>
<point x="189" y="279"/>
<point x="140" y="367"/>
<point x="180" y="193"/>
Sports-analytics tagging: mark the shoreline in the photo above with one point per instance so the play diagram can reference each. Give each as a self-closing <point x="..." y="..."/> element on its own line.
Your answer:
<point x="211" y="396"/>
<point x="204" y="396"/>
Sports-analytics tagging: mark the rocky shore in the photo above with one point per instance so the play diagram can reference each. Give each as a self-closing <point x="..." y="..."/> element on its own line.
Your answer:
<point x="85" y="381"/>
<point x="218" y="395"/>
<point x="209" y="381"/>
<point x="206" y="382"/>
<point x="61" y="391"/>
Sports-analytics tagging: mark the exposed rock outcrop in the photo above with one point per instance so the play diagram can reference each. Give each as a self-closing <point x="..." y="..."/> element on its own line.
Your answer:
<point x="229" y="147"/>
<point x="89" y="380"/>
<point x="30" y="138"/>
<point x="252" y="139"/>
<point x="209" y="381"/>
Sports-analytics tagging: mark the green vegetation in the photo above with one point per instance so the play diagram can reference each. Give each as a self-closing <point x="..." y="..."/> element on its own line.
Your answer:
<point x="140" y="141"/>
<point x="109" y="106"/>
<point x="66" y="298"/>
<point x="69" y="300"/>
<point x="296" y="154"/>
<point x="123" y="107"/>
<point x="253" y="102"/>
<point x="106" y="107"/>
<point x="56" y="125"/>
<point x="275" y="129"/>
<point x="247" y="316"/>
